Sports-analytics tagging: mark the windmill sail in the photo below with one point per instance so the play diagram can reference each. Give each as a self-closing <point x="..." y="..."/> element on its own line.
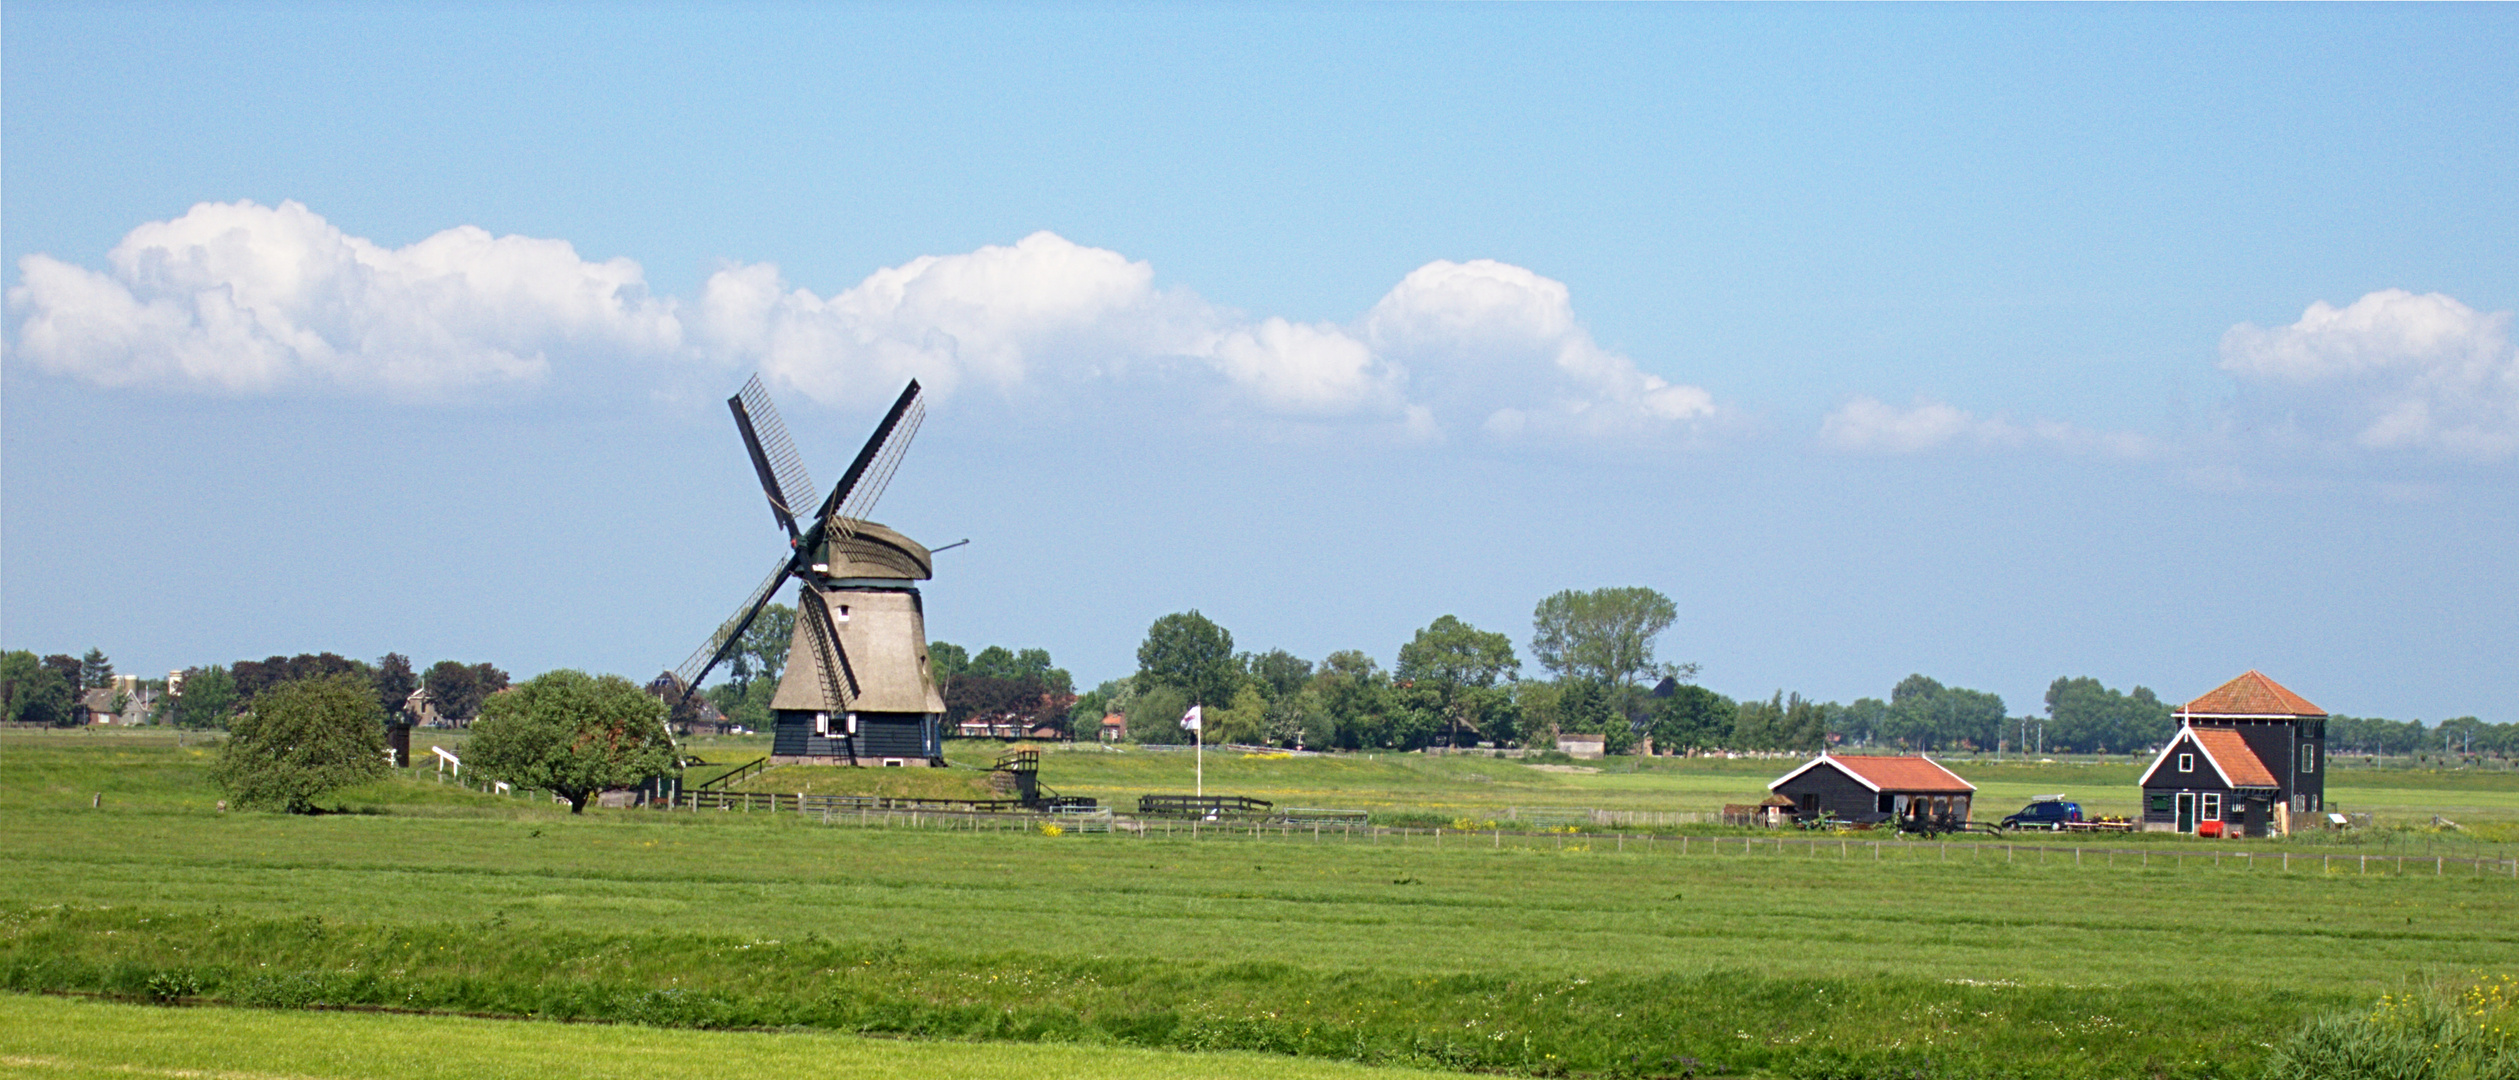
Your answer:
<point x="854" y="496"/>
<point x="730" y="632"/>
<point x="774" y="456"/>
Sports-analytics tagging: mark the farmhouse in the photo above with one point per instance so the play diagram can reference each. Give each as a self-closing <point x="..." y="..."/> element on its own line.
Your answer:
<point x="1868" y="790"/>
<point x="2247" y="758"/>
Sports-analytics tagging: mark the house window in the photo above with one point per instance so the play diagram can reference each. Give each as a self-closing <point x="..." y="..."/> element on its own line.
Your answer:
<point x="1887" y="802"/>
<point x="2157" y="802"/>
<point x="2212" y="806"/>
<point x="2186" y="763"/>
<point x="2309" y="759"/>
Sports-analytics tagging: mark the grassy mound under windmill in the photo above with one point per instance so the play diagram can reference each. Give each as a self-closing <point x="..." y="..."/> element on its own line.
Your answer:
<point x="888" y="783"/>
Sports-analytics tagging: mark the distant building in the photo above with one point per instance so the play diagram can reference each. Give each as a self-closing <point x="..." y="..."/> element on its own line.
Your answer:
<point x="2248" y="758"/>
<point x="1114" y="728"/>
<point x="1582" y="745"/>
<point x="1866" y="790"/>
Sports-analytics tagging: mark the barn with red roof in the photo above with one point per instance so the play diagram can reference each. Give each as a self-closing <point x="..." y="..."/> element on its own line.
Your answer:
<point x="2248" y="758"/>
<point x="1867" y="790"/>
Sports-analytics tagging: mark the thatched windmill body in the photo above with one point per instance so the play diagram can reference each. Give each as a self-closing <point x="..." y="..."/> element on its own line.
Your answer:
<point x="857" y="689"/>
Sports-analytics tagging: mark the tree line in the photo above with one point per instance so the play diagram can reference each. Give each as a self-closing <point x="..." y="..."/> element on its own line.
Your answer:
<point x="47" y="691"/>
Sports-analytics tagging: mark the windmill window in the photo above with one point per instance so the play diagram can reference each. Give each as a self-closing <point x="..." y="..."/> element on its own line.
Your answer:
<point x="2309" y="759"/>
<point x="2186" y="763"/>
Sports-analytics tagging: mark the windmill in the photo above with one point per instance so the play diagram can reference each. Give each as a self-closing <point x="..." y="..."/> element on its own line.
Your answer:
<point x="857" y="689"/>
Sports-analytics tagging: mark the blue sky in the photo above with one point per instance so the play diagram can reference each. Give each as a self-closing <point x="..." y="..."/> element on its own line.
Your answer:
<point x="1995" y="343"/>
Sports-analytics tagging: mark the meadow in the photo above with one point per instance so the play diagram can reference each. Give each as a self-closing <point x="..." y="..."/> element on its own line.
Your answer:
<point x="1592" y="953"/>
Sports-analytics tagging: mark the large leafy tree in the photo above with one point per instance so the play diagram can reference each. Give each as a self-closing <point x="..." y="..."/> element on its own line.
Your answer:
<point x="1690" y="717"/>
<point x="1357" y="702"/>
<point x="206" y="699"/>
<point x="1926" y="715"/>
<point x="572" y="734"/>
<point x="2087" y="717"/>
<point x="1464" y="670"/>
<point x="1189" y="653"/>
<point x="459" y="688"/>
<point x="1605" y="635"/>
<point x="763" y="652"/>
<point x="35" y="692"/>
<point x="301" y="739"/>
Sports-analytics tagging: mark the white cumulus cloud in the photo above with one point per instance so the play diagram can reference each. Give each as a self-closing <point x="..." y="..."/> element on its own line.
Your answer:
<point x="2392" y="370"/>
<point x="1491" y="336"/>
<point x="245" y="298"/>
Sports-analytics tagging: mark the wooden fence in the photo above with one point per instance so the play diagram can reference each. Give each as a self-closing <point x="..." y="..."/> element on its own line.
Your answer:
<point x="844" y="810"/>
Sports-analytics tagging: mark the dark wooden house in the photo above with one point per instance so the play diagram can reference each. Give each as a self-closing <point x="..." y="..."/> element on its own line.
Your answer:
<point x="1868" y="790"/>
<point x="2250" y="756"/>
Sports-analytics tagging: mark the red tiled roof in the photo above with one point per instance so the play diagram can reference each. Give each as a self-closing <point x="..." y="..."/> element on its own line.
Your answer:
<point x="2238" y="763"/>
<point x="2253" y="694"/>
<point x="1889" y="773"/>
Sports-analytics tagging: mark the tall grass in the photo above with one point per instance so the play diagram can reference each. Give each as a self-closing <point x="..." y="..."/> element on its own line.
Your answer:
<point x="2445" y="1030"/>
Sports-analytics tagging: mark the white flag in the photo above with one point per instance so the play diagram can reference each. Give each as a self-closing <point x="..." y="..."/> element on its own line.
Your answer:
<point x="1189" y="720"/>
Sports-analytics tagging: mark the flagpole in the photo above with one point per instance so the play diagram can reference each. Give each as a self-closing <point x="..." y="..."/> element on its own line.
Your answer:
<point x="1198" y="750"/>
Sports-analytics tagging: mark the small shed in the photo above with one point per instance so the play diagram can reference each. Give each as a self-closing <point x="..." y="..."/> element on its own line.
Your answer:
<point x="1867" y="790"/>
<point x="1582" y="744"/>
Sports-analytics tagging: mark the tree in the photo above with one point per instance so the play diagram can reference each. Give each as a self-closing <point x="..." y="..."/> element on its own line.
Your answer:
<point x="301" y="739"/>
<point x="1463" y="668"/>
<point x="1925" y="715"/>
<point x="572" y="734"/>
<point x="1690" y="717"/>
<point x="1187" y="652"/>
<point x="35" y="692"/>
<point x="1154" y="716"/>
<point x="762" y="654"/>
<point x="207" y="698"/>
<point x="1280" y="674"/>
<point x="394" y="681"/>
<point x="95" y="671"/>
<point x="946" y="662"/>
<point x="459" y="689"/>
<point x="253" y="677"/>
<point x="2087" y="717"/>
<point x="1605" y="635"/>
<point x="1356" y="702"/>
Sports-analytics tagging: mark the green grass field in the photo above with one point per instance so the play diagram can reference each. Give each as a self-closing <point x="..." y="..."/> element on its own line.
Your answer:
<point x="92" y="1040"/>
<point x="1595" y="954"/>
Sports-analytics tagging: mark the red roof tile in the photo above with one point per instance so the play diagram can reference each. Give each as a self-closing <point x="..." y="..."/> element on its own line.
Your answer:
<point x="1890" y="773"/>
<point x="2253" y="694"/>
<point x="2239" y="764"/>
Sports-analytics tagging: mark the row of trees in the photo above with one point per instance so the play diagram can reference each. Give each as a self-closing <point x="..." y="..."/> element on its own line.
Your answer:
<point x="213" y="696"/>
<point x="48" y="690"/>
<point x="1454" y="684"/>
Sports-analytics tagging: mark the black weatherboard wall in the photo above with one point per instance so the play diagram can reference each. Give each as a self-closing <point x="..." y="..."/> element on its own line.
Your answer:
<point x="1827" y="789"/>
